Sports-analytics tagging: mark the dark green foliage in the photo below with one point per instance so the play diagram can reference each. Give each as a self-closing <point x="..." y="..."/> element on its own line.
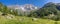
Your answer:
<point x="49" y="8"/>
<point x="3" y="9"/>
<point x="15" y="12"/>
<point x="56" y="18"/>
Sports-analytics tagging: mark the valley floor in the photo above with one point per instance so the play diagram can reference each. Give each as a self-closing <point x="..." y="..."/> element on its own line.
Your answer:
<point x="24" y="20"/>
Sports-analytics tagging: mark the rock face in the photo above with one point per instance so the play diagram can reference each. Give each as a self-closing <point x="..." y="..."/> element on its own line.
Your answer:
<point x="26" y="7"/>
<point x="34" y="19"/>
<point x="10" y="17"/>
<point x="58" y="7"/>
<point x="23" y="9"/>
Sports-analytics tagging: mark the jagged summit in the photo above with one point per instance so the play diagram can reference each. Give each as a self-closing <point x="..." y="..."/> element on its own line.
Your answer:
<point x="23" y="7"/>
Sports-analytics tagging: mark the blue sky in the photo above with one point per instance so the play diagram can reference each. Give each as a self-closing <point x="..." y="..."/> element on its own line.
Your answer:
<point x="38" y="3"/>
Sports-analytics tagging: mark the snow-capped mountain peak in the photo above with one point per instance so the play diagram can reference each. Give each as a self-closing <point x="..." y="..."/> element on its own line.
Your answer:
<point x="26" y="7"/>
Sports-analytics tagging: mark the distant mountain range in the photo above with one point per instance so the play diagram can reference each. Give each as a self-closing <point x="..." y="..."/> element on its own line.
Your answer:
<point x="26" y="7"/>
<point x="23" y="9"/>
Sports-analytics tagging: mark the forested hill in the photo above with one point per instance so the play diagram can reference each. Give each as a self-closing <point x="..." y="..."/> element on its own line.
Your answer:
<point x="48" y="10"/>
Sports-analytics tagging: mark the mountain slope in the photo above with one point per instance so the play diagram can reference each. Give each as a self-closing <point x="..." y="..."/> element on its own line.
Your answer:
<point x="47" y="10"/>
<point x="23" y="9"/>
<point x="26" y="7"/>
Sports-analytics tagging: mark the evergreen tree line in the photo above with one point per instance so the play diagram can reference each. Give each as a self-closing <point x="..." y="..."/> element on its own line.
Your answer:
<point x="5" y="10"/>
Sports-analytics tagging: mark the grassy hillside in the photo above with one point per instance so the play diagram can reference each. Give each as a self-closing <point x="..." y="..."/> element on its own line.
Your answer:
<point x="24" y="20"/>
<point x="11" y="19"/>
